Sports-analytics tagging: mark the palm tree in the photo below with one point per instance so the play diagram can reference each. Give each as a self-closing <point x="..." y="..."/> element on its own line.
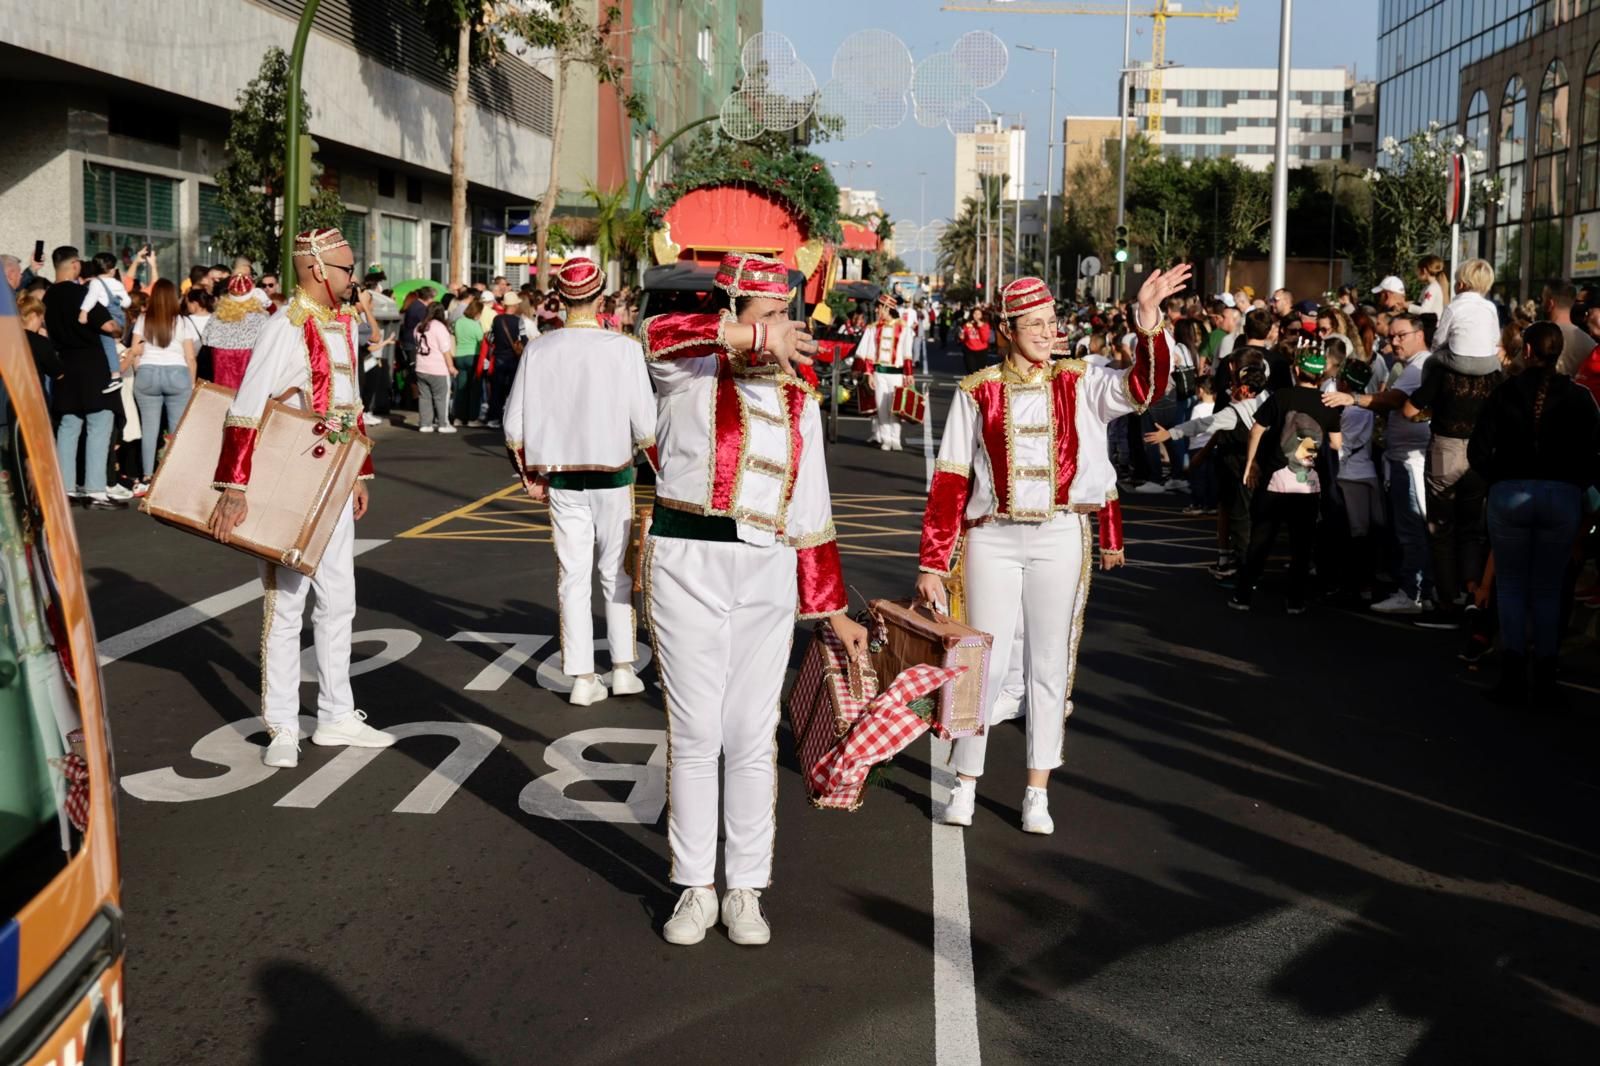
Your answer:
<point x="609" y="221"/>
<point x="970" y="234"/>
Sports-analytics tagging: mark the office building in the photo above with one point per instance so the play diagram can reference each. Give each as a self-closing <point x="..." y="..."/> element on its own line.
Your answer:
<point x="117" y="146"/>
<point x="1231" y="112"/>
<point x="1086" y="138"/>
<point x="993" y="148"/>
<point x="1520" y="81"/>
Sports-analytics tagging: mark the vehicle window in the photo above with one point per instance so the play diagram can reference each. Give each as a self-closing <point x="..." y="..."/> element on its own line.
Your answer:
<point x="43" y="778"/>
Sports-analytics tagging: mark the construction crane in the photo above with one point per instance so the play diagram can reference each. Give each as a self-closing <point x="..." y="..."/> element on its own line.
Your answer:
<point x="1159" y="14"/>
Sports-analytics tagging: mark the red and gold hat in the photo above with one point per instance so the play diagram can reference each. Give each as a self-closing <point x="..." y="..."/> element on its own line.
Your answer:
<point x="1023" y="295"/>
<point x="743" y="274"/>
<point x="579" y="279"/>
<point x="240" y="285"/>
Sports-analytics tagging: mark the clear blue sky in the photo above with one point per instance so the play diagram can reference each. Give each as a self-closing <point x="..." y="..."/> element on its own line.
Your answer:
<point x="1325" y="35"/>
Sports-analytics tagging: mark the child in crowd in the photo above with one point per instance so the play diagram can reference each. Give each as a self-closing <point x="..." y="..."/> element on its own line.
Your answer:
<point x="1358" y="482"/>
<point x="1202" y="476"/>
<point x="1467" y="338"/>
<point x="105" y="288"/>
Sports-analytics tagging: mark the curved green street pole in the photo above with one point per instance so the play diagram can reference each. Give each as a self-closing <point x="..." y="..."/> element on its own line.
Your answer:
<point x="291" y="145"/>
<point x="638" y="189"/>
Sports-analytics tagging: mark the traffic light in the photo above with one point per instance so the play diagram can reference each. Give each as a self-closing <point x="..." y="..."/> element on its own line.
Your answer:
<point x="1121" y="254"/>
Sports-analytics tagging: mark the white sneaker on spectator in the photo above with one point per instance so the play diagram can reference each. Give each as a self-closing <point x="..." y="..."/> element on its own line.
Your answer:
<point x="1036" y="812"/>
<point x="1398" y="603"/>
<point x="1176" y="484"/>
<point x="741" y="913"/>
<point x="1150" y="488"/>
<point x="117" y="492"/>
<point x="493" y="423"/>
<point x="963" y="801"/>
<point x="424" y="429"/>
<point x="624" y="682"/>
<point x="283" y="750"/>
<point x="447" y="429"/>
<point x="695" y="913"/>
<point x="351" y="731"/>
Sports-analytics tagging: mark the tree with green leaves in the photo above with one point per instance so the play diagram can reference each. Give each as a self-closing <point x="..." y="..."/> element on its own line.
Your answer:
<point x="969" y="235"/>
<point x="251" y="179"/>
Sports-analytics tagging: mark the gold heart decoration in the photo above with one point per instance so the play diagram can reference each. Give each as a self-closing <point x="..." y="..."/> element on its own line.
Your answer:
<point x="809" y="256"/>
<point x="661" y="243"/>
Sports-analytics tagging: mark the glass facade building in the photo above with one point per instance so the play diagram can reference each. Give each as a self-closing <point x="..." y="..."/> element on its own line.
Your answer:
<point x="1520" y="80"/>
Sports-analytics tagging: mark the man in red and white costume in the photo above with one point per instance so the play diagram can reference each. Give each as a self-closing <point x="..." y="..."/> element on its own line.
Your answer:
<point x="741" y="544"/>
<point x="888" y="346"/>
<point x="1022" y="465"/>
<point x="579" y="408"/>
<point x="309" y="347"/>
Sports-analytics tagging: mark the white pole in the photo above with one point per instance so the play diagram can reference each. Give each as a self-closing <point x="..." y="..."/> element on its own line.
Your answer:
<point x="1050" y="173"/>
<point x="1280" y="169"/>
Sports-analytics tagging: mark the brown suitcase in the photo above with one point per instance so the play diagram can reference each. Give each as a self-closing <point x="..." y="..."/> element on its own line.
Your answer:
<point x="294" y="494"/>
<point x="904" y="635"/>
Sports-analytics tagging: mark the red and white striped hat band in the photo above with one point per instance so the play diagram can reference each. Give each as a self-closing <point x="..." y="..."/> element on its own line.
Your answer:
<point x="1023" y="295"/>
<point x="742" y="274"/>
<point x="579" y="279"/>
<point x="240" y="285"/>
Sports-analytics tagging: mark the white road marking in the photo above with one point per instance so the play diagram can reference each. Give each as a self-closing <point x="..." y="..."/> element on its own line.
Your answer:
<point x="955" y="991"/>
<point x="139" y="638"/>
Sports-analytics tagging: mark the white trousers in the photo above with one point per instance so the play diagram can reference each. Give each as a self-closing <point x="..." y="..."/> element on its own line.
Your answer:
<point x="1013" y="687"/>
<point x="886" y="427"/>
<point x="722" y="616"/>
<point x="584" y="520"/>
<point x="333" y="613"/>
<point x="1039" y="571"/>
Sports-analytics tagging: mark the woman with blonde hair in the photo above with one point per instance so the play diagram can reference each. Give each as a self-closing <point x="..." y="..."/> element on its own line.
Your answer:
<point x="1435" y="296"/>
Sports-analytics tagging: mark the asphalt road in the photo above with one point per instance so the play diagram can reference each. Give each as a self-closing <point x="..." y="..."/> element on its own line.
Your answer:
<point x="1278" y="839"/>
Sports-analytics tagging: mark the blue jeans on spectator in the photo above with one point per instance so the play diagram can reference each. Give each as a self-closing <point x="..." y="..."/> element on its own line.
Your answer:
<point x="97" y="452"/>
<point x="1408" y="508"/>
<point x="108" y="344"/>
<point x="1532" y="525"/>
<point x="157" y="389"/>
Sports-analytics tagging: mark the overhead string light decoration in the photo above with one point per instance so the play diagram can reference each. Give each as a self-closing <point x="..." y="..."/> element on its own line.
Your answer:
<point x="777" y="91"/>
<point x="871" y="81"/>
<point x="945" y="87"/>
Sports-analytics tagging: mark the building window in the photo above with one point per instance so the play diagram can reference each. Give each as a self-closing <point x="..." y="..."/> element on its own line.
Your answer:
<point x="1511" y="156"/>
<point x="1589" y="137"/>
<point x="397" y="247"/>
<point x="1476" y="131"/>
<point x="124" y="210"/>
<point x="354" y="229"/>
<point x="439" y="253"/>
<point x="485" y="263"/>
<point x="212" y="219"/>
<point x="1550" y="173"/>
<point x="705" y="48"/>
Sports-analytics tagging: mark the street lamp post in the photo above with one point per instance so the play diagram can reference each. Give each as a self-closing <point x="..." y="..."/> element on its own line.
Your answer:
<point x="1280" y="166"/>
<point x="1050" y="159"/>
<point x="1122" y="131"/>
<point x="291" y="142"/>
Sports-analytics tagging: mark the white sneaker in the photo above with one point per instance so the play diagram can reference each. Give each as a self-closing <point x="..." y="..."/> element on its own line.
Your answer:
<point x="283" y="750"/>
<point x="447" y="429"/>
<point x="624" y="682"/>
<point x="1150" y="488"/>
<point x="885" y="447"/>
<point x="351" y="731"/>
<point x="741" y="913"/>
<point x="695" y="913"/>
<point x="1036" y="812"/>
<point x="494" y="423"/>
<point x="587" y="691"/>
<point x="424" y="429"/>
<point x="117" y="492"/>
<point x="1398" y="603"/>
<point x="963" y="800"/>
<point x="1005" y="709"/>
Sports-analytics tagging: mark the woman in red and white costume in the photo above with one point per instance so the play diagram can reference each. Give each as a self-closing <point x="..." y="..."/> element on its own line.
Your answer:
<point x="1022" y="465"/>
<point x="887" y="346"/>
<point x="741" y="543"/>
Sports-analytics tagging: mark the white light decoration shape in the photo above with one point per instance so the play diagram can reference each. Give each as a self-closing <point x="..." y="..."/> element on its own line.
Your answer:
<point x="871" y="76"/>
<point x="944" y="87"/>
<point x="778" y="91"/>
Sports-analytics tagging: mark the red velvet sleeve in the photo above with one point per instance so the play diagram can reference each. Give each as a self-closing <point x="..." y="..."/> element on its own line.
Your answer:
<point x="821" y="579"/>
<point x="942" y="520"/>
<point x="1152" y="366"/>
<point x="1109" y="520"/>
<point x="233" y="465"/>
<point x="681" y="335"/>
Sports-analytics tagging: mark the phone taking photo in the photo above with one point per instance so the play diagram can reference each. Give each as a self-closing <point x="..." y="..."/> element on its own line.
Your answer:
<point x="38" y="251"/>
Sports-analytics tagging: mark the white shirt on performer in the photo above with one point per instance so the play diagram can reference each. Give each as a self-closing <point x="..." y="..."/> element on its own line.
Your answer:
<point x="884" y="345"/>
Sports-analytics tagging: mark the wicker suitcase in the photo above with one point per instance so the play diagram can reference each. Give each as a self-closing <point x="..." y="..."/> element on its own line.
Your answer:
<point x="904" y="635"/>
<point x="299" y="482"/>
<point x="830" y="693"/>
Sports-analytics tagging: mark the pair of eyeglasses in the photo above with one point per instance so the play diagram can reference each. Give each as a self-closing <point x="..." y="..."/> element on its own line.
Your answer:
<point x="1036" y="327"/>
<point x="350" y="270"/>
<point x="1407" y="333"/>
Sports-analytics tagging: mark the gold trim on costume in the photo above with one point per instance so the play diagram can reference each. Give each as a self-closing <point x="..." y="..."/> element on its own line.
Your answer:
<point x="762" y="465"/>
<point x="269" y="607"/>
<point x="1085" y="576"/>
<point x="814" y="540"/>
<point x="301" y="307"/>
<point x="240" y="422"/>
<point x="948" y="466"/>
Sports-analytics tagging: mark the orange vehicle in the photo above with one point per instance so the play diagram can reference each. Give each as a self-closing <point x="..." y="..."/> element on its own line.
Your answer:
<point x="61" y="939"/>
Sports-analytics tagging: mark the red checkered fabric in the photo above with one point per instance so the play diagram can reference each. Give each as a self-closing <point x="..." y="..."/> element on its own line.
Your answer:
<point x="887" y="728"/>
<point x="1023" y="295"/>
<point x="821" y="706"/>
<point x="76" y="772"/>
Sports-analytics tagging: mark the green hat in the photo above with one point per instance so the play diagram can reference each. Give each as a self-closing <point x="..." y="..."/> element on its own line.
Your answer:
<point x="1356" y="374"/>
<point x="1312" y="361"/>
